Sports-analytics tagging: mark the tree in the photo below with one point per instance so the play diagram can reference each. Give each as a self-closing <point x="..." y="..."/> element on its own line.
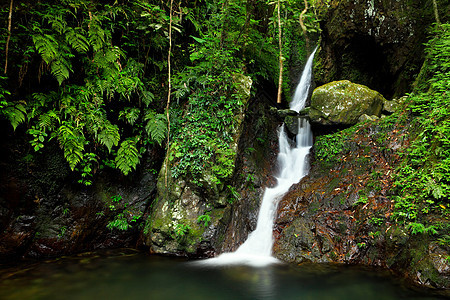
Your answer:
<point x="9" y="35"/>
<point x="280" y="47"/>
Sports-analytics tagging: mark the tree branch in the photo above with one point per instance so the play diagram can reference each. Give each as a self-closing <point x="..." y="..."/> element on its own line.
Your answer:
<point x="168" y="95"/>
<point x="302" y="25"/>
<point x="280" y="78"/>
<point x="436" y="13"/>
<point x="9" y="34"/>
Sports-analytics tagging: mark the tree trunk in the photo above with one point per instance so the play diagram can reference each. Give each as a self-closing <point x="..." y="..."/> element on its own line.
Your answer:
<point x="280" y="78"/>
<point x="9" y="34"/>
<point x="168" y="95"/>
<point x="436" y="13"/>
<point x="302" y="25"/>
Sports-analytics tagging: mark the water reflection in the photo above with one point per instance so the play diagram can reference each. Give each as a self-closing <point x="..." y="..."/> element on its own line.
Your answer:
<point x="131" y="275"/>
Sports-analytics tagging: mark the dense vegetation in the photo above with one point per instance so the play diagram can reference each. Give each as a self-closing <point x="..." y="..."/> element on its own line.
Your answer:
<point x="421" y="182"/>
<point x="93" y="76"/>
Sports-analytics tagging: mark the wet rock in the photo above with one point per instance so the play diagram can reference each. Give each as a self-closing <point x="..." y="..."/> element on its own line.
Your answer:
<point x="375" y="43"/>
<point x="364" y="118"/>
<point x="343" y="103"/>
<point x="395" y="105"/>
<point x="291" y="123"/>
<point x="48" y="214"/>
<point x="231" y="208"/>
<point x="341" y="212"/>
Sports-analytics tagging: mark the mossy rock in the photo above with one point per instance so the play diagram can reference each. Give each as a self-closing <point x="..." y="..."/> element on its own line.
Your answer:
<point x="343" y="102"/>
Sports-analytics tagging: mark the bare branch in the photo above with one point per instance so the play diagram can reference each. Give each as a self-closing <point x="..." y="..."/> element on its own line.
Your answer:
<point x="9" y="34"/>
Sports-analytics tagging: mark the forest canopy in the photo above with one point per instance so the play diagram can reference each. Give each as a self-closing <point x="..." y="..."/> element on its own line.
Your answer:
<point x="93" y="76"/>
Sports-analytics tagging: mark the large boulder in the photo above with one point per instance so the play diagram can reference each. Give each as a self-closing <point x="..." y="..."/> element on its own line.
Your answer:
<point x="343" y="102"/>
<point x="342" y="211"/>
<point x="189" y="219"/>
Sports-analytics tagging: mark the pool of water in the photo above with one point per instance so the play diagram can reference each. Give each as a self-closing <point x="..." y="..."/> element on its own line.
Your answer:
<point x="127" y="274"/>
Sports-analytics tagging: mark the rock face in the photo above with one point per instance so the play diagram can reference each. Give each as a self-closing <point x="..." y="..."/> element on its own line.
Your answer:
<point x="374" y="42"/>
<point x="343" y="102"/>
<point x="341" y="211"/>
<point x="176" y="224"/>
<point x="45" y="213"/>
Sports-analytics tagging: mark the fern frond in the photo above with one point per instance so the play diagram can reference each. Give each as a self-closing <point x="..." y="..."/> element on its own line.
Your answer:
<point x="97" y="35"/>
<point x="49" y="119"/>
<point x="72" y="141"/>
<point x="156" y="127"/>
<point x="109" y="136"/>
<point x="127" y="156"/>
<point x="60" y="68"/>
<point x="77" y="41"/>
<point x="16" y="114"/>
<point x="57" y="22"/>
<point x="47" y="46"/>
<point x="147" y="97"/>
<point x="129" y="115"/>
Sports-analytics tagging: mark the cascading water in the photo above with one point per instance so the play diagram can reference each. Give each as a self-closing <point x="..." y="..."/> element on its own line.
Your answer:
<point x="257" y="249"/>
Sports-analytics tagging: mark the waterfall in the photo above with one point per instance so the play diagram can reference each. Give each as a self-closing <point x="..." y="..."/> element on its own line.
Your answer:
<point x="257" y="249"/>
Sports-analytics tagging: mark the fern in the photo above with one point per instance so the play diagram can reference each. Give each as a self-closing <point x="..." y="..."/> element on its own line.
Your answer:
<point x="72" y="142"/>
<point x="76" y="40"/>
<point x="127" y="156"/>
<point x="156" y="126"/>
<point x="49" y="119"/>
<point x="129" y="115"/>
<point x="109" y="136"/>
<point x="57" y="22"/>
<point x="15" y="113"/>
<point x="147" y="97"/>
<point x="60" y="69"/>
<point x="97" y="35"/>
<point x="47" y="46"/>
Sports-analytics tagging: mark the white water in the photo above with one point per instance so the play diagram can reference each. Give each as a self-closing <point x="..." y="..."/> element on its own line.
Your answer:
<point x="257" y="249"/>
<point x="302" y="90"/>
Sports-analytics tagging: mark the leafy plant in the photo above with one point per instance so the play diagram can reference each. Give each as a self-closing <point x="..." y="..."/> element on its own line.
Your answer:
<point x="181" y="230"/>
<point x="127" y="156"/>
<point x="417" y="228"/>
<point x="120" y="222"/>
<point x="204" y="219"/>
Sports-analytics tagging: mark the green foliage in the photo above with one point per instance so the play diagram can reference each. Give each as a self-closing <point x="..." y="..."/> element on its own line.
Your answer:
<point x="109" y="136"/>
<point x="330" y="148"/>
<point x="120" y="222"/>
<point x="72" y="141"/>
<point x="418" y="228"/>
<point x="156" y="126"/>
<point x="423" y="179"/>
<point x="127" y="156"/>
<point x="97" y="78"/>
<point x="16" y="113"/>
<point x="181" y="230"/>
<point x="62" y="232"/>
<point x="204" y="219"/>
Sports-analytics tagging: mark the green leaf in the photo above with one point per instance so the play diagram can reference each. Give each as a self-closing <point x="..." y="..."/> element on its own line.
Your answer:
<point x="47" y="46"/>
<point x="130" y="115"/>
<point x="16" y="114"/>
<point x="109" y="136"/>
<point x="72" y="141"/>
<point x="156" y="126"/>
<point x="201" y="41"/>
<point x="127" y="156"/>
<point x="77" y="40"/>
<point x="60" y="69"/>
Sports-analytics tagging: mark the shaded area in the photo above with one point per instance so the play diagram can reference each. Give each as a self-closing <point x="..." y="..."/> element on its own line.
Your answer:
<point x="131" y="275"/>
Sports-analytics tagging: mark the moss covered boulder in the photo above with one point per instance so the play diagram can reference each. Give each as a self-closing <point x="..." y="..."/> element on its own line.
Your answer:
<point x="343" y="102"/>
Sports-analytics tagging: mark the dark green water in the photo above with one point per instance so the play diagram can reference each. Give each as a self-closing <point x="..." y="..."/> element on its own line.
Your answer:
<point x="126" y="274"/>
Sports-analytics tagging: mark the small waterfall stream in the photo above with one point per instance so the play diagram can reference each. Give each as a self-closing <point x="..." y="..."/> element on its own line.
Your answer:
<point x="257" y="249"/>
